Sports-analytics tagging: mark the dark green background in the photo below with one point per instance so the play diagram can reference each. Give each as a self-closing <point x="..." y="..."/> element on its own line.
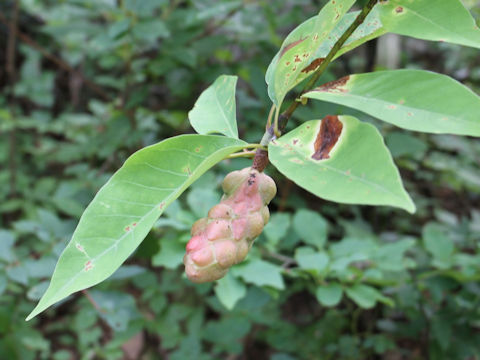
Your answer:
<point x="86" y="83"/>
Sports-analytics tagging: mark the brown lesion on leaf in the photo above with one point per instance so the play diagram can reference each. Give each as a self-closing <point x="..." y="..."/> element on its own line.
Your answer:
<point x="330" y="130"/>
<point x="313" y="65"/>
<point x="290" y="46"/>
<point x="399" y="9"/>
<point x="335" y="85"/>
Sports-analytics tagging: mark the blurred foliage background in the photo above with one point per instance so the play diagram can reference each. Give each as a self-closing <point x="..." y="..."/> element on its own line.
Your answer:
<point x="85" y="83"/>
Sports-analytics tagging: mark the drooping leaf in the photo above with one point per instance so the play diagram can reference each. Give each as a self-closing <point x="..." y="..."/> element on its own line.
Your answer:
<point x="298" y="49"/>
<point x="341" y="159"/>
<point x="214" y="111"/>
<point x="127" y="206"/>
<point x="411" y="99"/>
<point x="446" y="20"/>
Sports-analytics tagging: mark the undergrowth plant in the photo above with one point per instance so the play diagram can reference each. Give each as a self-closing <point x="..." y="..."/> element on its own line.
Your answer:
<point x="337" y="158"/>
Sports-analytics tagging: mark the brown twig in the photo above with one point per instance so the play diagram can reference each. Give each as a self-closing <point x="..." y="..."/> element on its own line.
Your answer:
<point x="57" y="61"/>
<point x="92" y="301"/>
<point x="285" y="116"/>
<point x="209" y="30"/>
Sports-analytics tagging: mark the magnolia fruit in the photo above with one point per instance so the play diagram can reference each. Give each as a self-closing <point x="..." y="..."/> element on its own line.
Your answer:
<point x="225" y="236"/>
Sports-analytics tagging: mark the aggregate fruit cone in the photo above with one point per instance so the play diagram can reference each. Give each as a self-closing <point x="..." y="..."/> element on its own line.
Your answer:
<point x="224" y="237"/>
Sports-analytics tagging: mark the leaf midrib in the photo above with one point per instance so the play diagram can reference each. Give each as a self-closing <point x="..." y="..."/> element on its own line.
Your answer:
<point x="217" y="100"/>
<point x="352" y="95"/>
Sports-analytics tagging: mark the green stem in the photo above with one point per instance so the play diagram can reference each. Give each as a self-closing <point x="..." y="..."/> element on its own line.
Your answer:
<point x="270" y="114"/>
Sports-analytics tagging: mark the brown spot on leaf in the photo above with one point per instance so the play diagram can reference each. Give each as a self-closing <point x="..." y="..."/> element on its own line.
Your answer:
<point x="313" y="65"/>
<point x="297" y="59"/>
<point x="290" y="46"/>
<point x="399" y="9"/>
<point x="327" y="137"/>
<point x="88" y="265"/>
<point x="334" y="85"/>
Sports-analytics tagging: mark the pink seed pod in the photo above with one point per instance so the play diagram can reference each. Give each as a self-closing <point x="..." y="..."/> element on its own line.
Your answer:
<point x="225" y="236"/>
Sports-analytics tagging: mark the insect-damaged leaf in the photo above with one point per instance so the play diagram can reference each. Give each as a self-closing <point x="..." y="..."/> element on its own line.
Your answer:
<point x="126" y="207"/>
<point x="358" y="170"/>
<point x="411" y="99"/>
<point x="298" y="49"/>
<point x="214" y="111"/>
<point x="446" y="20"/>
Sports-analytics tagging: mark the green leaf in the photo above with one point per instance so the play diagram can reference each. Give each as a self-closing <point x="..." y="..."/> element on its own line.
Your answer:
<point x="418" y="19"/>
<point x="369" y="29"/>
<point x="170" y="255"/>
<point x="7" y="241"/>
<point x="277" y="227"/>
<point x="366" y="296"/>
<point x="229" y="290"/>
<point x="445" y="20"/>
<point x="260" y="273"/>
<point x="438" y="244"/>
<point x="201" y="200"/>
<point x="298" y="49"/>
<point x="214" y="111"/>
<point x="308" y="259"/>
<point x="390" y="257"/>
<point x="411" y="99"/>
<point x="330" y="294"/>
<point x="360" y="169"/>
<point x="124" y="210"/>
<point x="117" y="309"/>
<point x="311" y="227"/>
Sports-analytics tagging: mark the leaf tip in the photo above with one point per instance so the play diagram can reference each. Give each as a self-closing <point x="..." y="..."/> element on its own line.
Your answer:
<point x="410" y="206"/>
<point x="32" y="314"/>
